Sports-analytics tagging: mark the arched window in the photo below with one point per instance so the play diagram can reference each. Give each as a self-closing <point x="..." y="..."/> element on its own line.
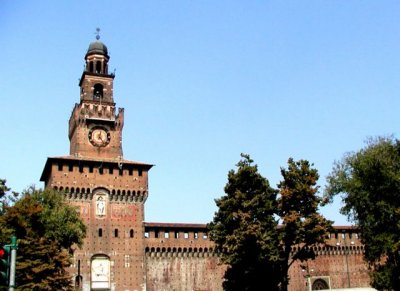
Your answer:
<point x="320" y="284"/>
<point x="98" y="67"/>
<point x="131" y="233"/>
<point x="100" y="232"/>
<point x="98" y="92"/>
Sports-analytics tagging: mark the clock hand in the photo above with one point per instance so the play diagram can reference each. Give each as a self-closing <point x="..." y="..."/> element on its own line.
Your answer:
<point x="100" y="136"/>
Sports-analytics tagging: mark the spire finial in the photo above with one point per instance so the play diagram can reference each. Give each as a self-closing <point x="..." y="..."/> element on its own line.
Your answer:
<point x="97" y="33"/>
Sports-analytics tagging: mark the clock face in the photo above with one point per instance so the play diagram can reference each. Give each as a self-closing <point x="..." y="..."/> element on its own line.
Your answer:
<point x="99" y="136"/>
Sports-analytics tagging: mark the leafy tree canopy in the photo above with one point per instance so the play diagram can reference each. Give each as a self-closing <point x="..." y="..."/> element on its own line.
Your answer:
<point x="7" y="196"/>
<point x="47" y="229"/>
<point x="369" y="184"/>
<point x="246" y="231"/>
<point x="298" y="206"/>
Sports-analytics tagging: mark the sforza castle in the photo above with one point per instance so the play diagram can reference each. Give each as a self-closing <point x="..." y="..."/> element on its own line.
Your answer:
<point x="121" y="251"/>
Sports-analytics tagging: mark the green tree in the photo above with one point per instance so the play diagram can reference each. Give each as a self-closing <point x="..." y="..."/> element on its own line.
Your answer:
<point x="3" y="188"/>
<point x="369" y="184"/>
<point x="7" y="196"/>
<point x="244" y="230"/>
<point x="47" y="228"/>
<point x="302" y="225"/>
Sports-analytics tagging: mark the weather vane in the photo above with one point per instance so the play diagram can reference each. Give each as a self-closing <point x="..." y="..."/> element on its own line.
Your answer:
<point x="97" y="33"/>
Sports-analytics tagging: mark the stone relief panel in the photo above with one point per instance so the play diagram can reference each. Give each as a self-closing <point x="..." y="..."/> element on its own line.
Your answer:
<point x="100" y="272"/>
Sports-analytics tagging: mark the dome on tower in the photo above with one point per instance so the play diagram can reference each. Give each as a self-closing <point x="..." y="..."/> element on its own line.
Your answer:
<point x="97" y="47"/>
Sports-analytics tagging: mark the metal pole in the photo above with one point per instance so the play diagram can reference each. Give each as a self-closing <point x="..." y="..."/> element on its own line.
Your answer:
<point x="347" y="263"/>
<point x="13" y="262"/>
<point x="346" y="253"/>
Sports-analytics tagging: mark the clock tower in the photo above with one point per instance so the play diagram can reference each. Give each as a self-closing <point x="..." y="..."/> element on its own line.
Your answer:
<point x="94" y="119"/>
<point x="108" y="191"/>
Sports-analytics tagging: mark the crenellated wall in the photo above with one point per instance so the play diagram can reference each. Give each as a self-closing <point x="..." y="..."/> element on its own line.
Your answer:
<point x="181" y="257"/>
<point x="78" y="177"/>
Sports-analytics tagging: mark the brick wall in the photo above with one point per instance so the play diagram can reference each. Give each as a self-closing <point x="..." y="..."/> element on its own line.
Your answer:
<point x="187" y="261"/>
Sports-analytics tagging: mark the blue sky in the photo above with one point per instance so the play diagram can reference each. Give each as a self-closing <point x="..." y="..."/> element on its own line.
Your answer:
<point x="202" y="82"/>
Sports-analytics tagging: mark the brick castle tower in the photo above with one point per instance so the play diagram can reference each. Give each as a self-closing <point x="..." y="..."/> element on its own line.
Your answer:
<point x="108" y="190"/>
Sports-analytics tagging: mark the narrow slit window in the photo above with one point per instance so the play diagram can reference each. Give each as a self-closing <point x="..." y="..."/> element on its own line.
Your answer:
<point x="127" y="261"/>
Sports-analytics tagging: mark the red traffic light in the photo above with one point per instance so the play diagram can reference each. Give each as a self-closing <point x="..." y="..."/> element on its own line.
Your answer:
<point x="4" y="252"/>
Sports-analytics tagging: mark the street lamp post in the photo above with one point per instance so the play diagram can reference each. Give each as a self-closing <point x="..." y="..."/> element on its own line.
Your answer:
<point x="13" y="262"/>
<point x="346" y="253"/>
<point x="307" y="276"/>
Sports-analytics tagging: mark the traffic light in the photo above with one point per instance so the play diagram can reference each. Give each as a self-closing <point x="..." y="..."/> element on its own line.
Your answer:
<point x="4" y="264"/>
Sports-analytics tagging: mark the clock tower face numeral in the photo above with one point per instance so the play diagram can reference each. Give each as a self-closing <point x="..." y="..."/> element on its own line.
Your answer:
<point x="99" y="136"/>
